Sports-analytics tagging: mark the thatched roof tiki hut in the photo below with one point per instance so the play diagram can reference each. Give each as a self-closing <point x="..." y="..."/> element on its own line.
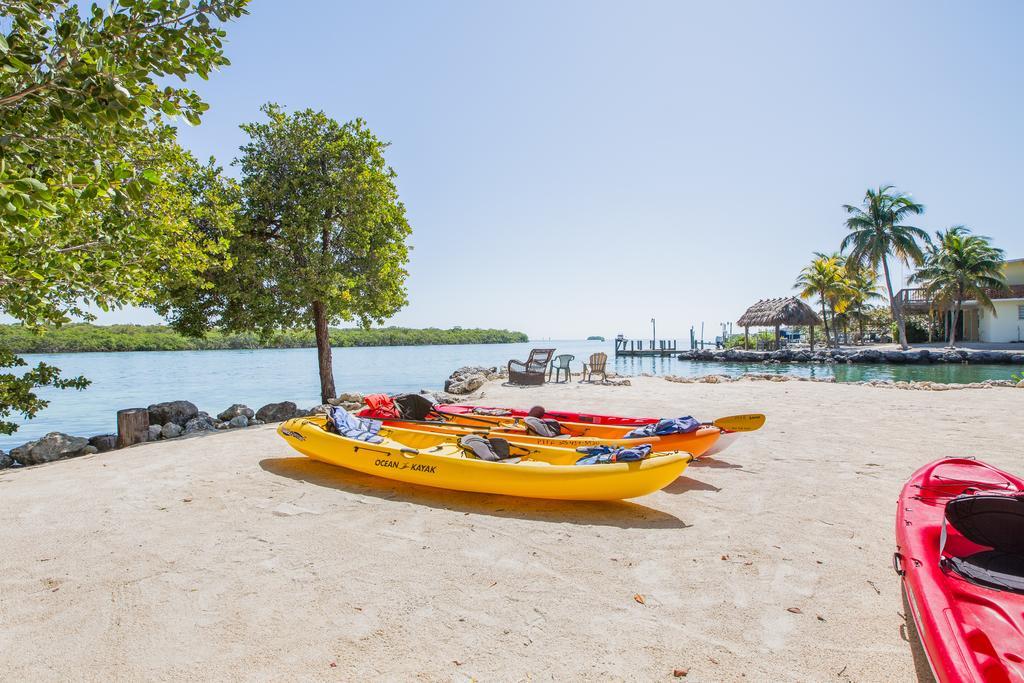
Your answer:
<point x="777" y="312"/>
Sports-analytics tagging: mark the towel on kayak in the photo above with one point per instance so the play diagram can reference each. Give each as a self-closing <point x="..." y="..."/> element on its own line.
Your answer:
<point x="675" y="425"/>
<point x="602" y="455"/>
<point x="353" y="427"/>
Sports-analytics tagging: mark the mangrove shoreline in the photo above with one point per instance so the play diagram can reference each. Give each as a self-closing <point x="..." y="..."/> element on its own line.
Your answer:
<point x="85" y="337"/>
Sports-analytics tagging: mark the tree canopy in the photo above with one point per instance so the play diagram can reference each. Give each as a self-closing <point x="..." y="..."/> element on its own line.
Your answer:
<point x="321" y="235"/>
<point x="878" y="231"/>
<point x="961" y="266"/>
<point x="99" y="205"/>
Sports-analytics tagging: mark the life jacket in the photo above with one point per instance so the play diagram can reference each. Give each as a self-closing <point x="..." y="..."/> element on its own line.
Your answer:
<point x="380" y="406"/>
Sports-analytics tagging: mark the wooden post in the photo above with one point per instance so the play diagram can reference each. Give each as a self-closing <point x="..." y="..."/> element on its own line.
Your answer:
<point x="132" y="426"/>
<point x="776" y="337"/>
<point x="746" y="337"/>
<point x="812" y="338"/>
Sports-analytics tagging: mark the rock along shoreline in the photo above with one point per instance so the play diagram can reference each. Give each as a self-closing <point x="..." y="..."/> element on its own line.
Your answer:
<point x="895" y="356"/>
<point x="176" y="419"/>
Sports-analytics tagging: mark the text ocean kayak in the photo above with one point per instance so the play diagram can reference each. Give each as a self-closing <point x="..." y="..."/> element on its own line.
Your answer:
<point x="965" y="590"/>
<point x="445" y="465"/>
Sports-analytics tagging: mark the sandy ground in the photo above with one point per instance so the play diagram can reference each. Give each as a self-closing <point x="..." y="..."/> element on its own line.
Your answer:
<point x="229" y="557"/>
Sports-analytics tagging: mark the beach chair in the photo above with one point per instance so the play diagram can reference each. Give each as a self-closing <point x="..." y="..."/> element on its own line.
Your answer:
<point x="559" y="365"/>
<point x="533" y="370"/>
<point x="595" y="366"/>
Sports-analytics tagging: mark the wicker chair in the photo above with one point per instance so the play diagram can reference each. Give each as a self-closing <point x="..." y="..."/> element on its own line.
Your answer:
<point x="561" y="365"/>
<point x="533" y="371"/>
<point x="596" y="366"/>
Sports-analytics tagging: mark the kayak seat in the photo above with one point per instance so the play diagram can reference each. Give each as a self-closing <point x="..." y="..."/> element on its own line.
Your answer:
<point x="541" y="427"/>
<point x="992" y="569"/>
<point x="492" y="450"/>
<point x="995" y="521"/>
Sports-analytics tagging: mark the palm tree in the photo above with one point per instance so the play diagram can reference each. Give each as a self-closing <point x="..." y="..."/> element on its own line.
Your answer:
<point x="961" y="266"/>
<point x="877" y="232"/>
<point x="861" y="288"/>
<point x="822" y="278"/>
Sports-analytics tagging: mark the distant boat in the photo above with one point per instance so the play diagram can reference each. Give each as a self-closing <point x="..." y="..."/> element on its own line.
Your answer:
<point x="595" y="338"/>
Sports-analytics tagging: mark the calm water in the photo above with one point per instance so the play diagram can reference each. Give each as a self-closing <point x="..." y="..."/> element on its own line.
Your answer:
<point x="214" y="380"/>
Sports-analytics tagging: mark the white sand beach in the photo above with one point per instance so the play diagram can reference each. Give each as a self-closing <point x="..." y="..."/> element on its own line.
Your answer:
<point x="231" y="557"/>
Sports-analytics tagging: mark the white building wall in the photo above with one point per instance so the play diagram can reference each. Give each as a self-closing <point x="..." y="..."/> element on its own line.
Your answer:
<point x="1005" y="327"/>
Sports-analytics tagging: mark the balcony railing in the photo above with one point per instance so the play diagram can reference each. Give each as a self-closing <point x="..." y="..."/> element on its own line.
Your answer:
<point x="918" y="298"/>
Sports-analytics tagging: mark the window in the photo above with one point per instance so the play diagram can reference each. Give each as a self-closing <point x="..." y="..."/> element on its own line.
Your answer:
<point x="1020" y="313"/>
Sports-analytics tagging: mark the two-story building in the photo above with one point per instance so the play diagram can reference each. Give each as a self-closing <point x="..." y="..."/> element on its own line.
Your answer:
<point x="978" y="324"/>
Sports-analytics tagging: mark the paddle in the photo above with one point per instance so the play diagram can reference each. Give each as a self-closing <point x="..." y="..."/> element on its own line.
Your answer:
<point x="750" y="422"/>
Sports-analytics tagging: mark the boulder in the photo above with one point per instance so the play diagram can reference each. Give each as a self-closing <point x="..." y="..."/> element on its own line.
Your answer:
<point x="1017" y="358"/>
<point x="469" y="378"/>
<point x="90" y="450"/>
<point x="199" y="424"/>
<point x="277" y="412"/>
<point x="178" y="412"/>
<point x="322" y="409"/>
<point x="350" y="397"/>
<point x="171" y="430"/>
<point x="154" y="432"/>
<point x="234" y="411"/>
<point x="953" y="356"/>
<point x="21" y="455"/>
<point x="103" y="442"/>
<point x="53" y="446"/>
<point x="239" y="421"/>
<point x="465" y="385"/>
<point x="894" y="357"/>
<point x="5" y="461"/>
<point x="253" y="423"/>
<point x="866" y="356"/>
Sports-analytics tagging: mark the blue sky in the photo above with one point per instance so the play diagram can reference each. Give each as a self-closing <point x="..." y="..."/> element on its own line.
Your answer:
<point x="575" y="168"/>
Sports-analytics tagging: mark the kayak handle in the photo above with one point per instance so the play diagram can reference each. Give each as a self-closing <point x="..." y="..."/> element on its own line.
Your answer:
<point x="897" y="564"/>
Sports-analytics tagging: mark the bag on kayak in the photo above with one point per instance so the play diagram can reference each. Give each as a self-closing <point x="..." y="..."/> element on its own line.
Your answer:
<point x="381" y="406"/>
<point x="676" y="425"/>
<point x="359" y="428"/>
<point x="995" y="521"/>
<point x="602" y="455"/>
<point x="492" y="450"/>
<point x="413" y="406"/>
<point x="540" y="427"/>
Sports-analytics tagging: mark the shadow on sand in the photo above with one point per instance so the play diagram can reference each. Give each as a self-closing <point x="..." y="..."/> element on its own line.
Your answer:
<point x="715" y="463"/>
<point x="617" y="513"/>
<point x="685" y="484"/>
<point x="908" y="631"/>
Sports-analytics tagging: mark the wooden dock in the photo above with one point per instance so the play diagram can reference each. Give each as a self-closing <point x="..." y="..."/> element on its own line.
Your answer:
<point x="649" y="347"/>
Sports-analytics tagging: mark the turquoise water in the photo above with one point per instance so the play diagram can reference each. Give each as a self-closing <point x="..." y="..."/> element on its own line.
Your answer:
<point x="214" y="380"/>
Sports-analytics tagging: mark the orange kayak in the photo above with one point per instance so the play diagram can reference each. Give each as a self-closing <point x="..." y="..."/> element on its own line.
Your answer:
<point x="578" y="435"/>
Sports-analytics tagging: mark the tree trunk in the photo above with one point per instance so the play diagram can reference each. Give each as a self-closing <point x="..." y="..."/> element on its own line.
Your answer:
<point x="952" y="324"/>
<point x="894" y="308"/>
<point x="323" y="353"/>
<point x="812" y="338"/>
<point x="824" y="321"/>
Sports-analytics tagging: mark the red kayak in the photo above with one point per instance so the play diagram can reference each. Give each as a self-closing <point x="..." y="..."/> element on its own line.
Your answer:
<point x="960" y="551"/>
<point x="560" y="415"/>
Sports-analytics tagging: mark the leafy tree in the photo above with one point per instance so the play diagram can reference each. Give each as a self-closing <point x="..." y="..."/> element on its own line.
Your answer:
<point x="321" y="236"/>
<point x="959" y="267"/>
<point x="98" y="204"/>
<point x="877" y="232"/>
<point x="822" y="278"/>
<point x="860" y="285"/>
<point x="80" y="82"/>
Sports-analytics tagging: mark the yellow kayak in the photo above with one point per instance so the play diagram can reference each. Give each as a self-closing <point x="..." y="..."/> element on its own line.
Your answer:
<point x="433" y="459"/>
